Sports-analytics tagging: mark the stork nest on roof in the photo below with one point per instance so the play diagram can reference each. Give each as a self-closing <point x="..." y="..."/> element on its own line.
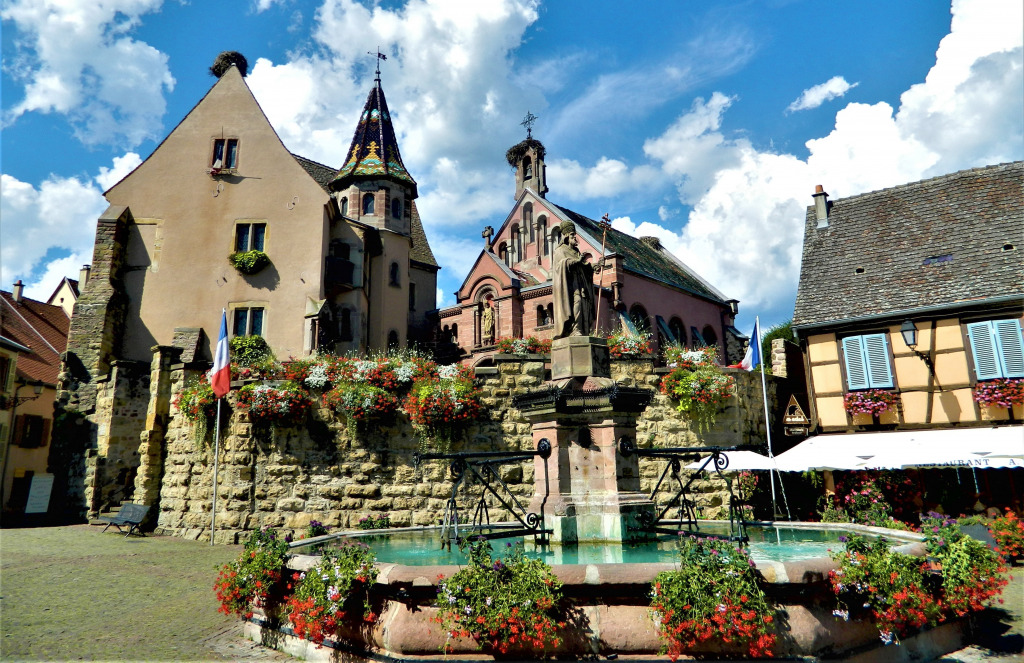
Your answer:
<point x="516" y="153"/>
<point x="228" y="59"/>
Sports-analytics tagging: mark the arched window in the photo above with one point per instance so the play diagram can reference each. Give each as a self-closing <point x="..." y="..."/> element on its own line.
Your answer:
<point x="503" y="253"/>
<point x="392" y="339"/>
<point x="710" y="337"/>
<point x="551" y="314"/>
<point x="396" y="208"/>
<point x="368" y="203"/>
<point x="515" y="246"/>
<point x="393" y="274"/>
<point x="542" y="316"/>
<point x="455" y="333"/>
<point x="528" y="222"/>
<point x="344" y="206"/>
<point x="676" y="326"/>
<point x="542" y="234"/>
<point x="556" y="237"/>
<point x="638" y="314"/>
<point x="527" y="168"/>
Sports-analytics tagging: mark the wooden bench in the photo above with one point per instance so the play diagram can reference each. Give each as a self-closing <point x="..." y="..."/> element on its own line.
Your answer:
<point x="130" y="516"/>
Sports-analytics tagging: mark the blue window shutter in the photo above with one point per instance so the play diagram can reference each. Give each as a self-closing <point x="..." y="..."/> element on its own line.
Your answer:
<point x="983" y="346"/>
<point x="876" y="358"/>
<point x="853" y="355"/>
<point x="1010" y="346"/>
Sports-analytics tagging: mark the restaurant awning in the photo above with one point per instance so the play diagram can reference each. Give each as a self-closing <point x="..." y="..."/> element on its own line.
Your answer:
<point x="980" y="448"/>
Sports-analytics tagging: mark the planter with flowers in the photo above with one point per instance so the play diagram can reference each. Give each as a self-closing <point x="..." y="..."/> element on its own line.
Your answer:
<point x="1008" y="532"/>
<point x="700" y="387"/>
<point x="531" y="345"/>
<point x="714" y="599"/>
<point x="624" y="345"/>
<point x="254" y="580"/>
<point x="865" y="407"/>
<point x="282" y="405"/>
<point x="361" y="404"/>
<point x="325" y="594"/>
<point x="509" y="606"/>
<point x="198" y="404"/>
<point x="995" y="397"/>
<point x="440" y="408"/>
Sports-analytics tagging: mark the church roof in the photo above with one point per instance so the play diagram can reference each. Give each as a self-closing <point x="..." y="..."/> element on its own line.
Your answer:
<point x="646" y="258"/>
<point x="374" y="151"/>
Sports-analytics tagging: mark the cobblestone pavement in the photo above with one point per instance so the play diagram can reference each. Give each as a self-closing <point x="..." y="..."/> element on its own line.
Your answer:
<point x="1000" y="633"/>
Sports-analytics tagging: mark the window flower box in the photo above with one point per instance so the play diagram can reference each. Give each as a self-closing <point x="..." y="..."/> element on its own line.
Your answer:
<point x="1001" y="392"/>
<point x="871" y="402"/>
<point x="249" y="262"/>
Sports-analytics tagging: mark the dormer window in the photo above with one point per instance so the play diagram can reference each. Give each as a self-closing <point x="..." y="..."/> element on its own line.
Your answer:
<point x="225" y="154"/>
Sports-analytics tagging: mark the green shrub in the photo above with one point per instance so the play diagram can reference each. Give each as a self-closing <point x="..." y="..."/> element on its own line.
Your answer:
<point x="249" y="262"/>
<point x="249" y="350"/>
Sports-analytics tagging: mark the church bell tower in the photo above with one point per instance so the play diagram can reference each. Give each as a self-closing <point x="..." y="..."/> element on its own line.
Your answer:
<point x="527" y="158"/>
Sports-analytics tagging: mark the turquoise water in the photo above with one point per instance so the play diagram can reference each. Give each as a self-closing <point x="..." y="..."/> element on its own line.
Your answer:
<point x="423" y="548"/>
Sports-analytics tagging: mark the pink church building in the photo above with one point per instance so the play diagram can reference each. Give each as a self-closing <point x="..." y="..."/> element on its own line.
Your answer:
<point x="642" y="285"/>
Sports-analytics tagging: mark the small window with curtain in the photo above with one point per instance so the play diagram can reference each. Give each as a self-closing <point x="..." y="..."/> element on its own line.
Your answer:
<point x="225" y="154"/>
<point x="248" y="321"/>
<point x="393" y="275"/>
<point x="250" y="236"/>
<point x="368" y="202"/>
<point x="344" y="206"/>
<point x="867" y="362"/>
<point x="998" y="349"/>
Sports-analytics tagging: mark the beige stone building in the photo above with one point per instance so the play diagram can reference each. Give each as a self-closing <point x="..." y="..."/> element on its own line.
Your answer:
<point x="347" y="266"/>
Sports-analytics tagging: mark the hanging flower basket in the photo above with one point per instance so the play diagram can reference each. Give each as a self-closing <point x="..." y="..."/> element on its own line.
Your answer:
<point x="1002" y="392"/>
<point x="870" y="401"/>
<point x="361" y="403"/>
<point x="699" y="385"/>
<point x="440" y="408"/>
<point x="249" y="262"/>
<point x="198" y="404"/>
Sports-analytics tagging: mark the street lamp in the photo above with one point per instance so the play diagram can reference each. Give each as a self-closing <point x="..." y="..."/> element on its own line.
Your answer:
<point x="909" y="332"/>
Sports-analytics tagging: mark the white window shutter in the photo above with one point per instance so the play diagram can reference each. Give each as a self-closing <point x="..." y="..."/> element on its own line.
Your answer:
<point x="876" y="356"/>
<point x="983" y="346"/>
<point x="853" y="355"/>
<point x="1010" y="344"/>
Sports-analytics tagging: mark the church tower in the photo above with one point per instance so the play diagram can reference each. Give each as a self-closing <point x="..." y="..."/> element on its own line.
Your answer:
<point x="527" y="158"/>
<point x="373" y="186"/>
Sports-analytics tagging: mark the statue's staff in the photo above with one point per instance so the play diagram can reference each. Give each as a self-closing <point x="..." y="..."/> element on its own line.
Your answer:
<point x="606" y="223"/>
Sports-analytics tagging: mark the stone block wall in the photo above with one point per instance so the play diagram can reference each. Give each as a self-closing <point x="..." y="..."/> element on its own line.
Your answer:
<point x="322" y="470"/>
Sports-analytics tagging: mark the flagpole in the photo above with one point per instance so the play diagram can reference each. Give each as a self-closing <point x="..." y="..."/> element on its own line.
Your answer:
<point x="216" y="462"/>
<point x="764" y="398"/>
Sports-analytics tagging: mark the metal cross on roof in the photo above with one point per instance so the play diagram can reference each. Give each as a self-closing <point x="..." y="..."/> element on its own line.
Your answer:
<point x="528" y="122"/>
<point x="380" y="56"/>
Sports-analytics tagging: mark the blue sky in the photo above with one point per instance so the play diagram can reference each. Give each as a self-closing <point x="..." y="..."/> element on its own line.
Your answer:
<point x="705" y="123"/>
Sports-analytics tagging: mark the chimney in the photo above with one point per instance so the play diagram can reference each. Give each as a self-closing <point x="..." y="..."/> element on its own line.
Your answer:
<point x="83" y="277"/>
<point x="821" y="206"/>
<point x="18" y="288"/>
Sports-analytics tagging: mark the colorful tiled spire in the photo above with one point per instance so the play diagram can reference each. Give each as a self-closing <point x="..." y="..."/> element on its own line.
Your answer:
<point x="374" y="151"/>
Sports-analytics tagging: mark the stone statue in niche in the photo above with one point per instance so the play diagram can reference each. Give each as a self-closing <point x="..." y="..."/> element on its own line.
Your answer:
<point x="572" y="286"/>
<point x="487" y="323"/>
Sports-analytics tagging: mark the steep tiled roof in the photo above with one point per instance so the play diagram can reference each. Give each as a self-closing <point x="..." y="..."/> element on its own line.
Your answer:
<point x="420" y="250"/>
<point x="43" y="328"/>
<point x="319" y="172"/>
<point x="932" y="243"/>
<point x="647" y="259"/>
<point x="374" y="149"/>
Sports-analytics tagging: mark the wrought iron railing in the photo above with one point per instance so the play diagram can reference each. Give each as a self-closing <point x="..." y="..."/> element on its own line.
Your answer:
<point x="658" y="521"/>
<point x="483" y="467"/>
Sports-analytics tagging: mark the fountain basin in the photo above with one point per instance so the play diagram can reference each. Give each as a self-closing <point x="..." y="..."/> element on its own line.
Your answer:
<point x="614" y="615"/>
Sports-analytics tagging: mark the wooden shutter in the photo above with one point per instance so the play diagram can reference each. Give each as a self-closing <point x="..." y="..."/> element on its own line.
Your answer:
<point x="983" y="347"/>
<point x="876" y="358"/>
<point x="853" y="355"/>
<point x="45" y="438"/>
<point x="1010" y="346"/>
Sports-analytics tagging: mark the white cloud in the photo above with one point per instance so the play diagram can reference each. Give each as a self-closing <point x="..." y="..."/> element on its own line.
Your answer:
<point x="745" y="231"/>
<point x="264" y="5"/>
<point x="76" y="59"/>
<point x="815" y="96"/>
<point x="606" y="178"/>
<point x="56" y="218"/>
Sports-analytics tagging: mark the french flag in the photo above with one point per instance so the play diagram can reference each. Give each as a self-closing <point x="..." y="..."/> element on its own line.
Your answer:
<point x="220" y="374"/>
<point x="753" y="356"/>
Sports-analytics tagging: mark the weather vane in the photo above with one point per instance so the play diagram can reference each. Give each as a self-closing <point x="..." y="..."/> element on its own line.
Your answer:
<point x="528" y="122"/>
<point x="380" y="56"/>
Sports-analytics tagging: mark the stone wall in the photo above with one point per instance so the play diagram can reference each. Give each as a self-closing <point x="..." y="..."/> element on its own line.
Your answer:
<point x="323" y="471"/>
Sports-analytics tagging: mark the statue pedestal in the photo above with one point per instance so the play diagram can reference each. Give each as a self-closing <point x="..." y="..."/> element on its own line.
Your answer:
<point x="587" y="490"/>
<point x="579" y="357"/>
